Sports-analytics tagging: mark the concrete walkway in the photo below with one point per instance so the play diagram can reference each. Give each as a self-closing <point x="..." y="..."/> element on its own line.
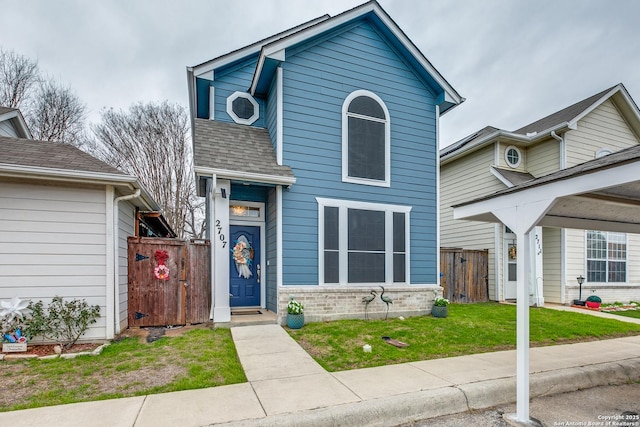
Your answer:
<point x="288" y="388"/>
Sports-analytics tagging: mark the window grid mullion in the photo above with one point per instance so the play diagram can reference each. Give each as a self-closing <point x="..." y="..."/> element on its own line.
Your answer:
<point x="343" y="246"/>
<point x="388" y="247"/>
<point x="361" y="116"/>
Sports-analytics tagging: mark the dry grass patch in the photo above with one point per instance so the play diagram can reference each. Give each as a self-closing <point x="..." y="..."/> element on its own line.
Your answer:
<point x="198" y="358"/>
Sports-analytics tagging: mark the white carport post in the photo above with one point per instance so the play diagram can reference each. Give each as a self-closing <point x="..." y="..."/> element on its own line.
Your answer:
<point x="521" y="213"/>
<point x="521" y="219"/>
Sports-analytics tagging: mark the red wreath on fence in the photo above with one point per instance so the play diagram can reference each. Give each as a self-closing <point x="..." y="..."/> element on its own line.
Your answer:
<point x="161" y="271"/>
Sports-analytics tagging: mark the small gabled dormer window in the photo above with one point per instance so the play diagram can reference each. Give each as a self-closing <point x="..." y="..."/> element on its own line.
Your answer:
<point x="365" y="140"/>
<point x="242" y="108"/>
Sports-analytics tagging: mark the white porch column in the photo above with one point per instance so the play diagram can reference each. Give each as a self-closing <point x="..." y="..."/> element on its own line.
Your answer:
<point x="522" y="328"/>
<point x="220" y="250"/>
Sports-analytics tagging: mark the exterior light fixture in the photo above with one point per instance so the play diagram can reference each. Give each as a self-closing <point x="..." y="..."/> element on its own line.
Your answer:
<point x="579" y="301"/>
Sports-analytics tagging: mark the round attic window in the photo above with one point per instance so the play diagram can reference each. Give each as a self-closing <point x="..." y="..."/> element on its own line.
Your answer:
<point x="512" y="156"/>
<point x="242" y="108"/>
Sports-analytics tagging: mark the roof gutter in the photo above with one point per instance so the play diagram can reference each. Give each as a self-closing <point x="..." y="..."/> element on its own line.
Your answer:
<point x="526" y="139"/>
<point x="246" y="176"/>
<point x="7" y="169"/>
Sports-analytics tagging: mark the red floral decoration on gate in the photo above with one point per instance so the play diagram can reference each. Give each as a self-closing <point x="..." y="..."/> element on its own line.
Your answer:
<point x="161" y="271"/>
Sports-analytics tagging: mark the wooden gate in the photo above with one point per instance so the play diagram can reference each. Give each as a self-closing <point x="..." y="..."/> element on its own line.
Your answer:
<point x="181" y="298"/>
<point x="465" y="274"/>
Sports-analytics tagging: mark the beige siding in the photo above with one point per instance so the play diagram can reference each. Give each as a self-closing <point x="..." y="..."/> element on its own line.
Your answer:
<point x="126" y="226"/>
<point x="604" y="127"/>
<point x="552" y="264"/>
<point x="53" y="242"/>
<point x="543" y="158"/>
<point x="575" y="255"/>
<point x="633" y="261"/>
<point x="463" y="180"/>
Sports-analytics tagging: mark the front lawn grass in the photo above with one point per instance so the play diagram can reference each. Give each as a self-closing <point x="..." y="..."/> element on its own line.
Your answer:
<point x="469" y="329"/>
<point x="131" y="367"/>
<point x="628" y="313"/>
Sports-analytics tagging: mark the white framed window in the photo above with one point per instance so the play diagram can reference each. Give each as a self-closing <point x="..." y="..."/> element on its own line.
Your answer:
<point x="604" y="151"/>
<point x="606" y="257"/>
<point x="362" y="243"/>
<point x="242" y="108"/>
<point x="512" y="156"/>
<point x="246" y="211"/>
<point x="366" y="146"/>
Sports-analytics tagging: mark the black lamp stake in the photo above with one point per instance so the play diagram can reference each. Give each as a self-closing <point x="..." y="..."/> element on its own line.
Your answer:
<point x="579" y="301"/>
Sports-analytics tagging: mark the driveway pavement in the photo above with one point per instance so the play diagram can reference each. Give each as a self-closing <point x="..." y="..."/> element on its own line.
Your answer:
<point x="597" y="406"/>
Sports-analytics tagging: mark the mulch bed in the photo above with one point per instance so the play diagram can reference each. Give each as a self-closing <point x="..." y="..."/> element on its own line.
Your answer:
<point x="48" y="349"/>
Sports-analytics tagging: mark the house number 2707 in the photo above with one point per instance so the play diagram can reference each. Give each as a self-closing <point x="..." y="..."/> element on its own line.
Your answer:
<point x="220" y="235"/>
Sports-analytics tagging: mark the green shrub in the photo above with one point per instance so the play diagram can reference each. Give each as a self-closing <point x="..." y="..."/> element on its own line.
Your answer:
<point x="62" y="322"/>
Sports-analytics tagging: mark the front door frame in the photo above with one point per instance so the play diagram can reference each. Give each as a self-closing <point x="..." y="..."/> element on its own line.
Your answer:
<point x="256" y="222"/>
<point x="508" y="285"/>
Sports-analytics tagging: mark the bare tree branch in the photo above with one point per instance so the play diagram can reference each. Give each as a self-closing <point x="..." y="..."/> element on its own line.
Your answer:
<point x="150" y="141"/>
<point x="57" y="114"/>
<point x="18" y="76"/>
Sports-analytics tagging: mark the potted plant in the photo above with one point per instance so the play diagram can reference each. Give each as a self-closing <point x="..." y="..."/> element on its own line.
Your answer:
<point x="593" y="301"/>
<point x="295" y="314"/>
<point x="440" y="307"/>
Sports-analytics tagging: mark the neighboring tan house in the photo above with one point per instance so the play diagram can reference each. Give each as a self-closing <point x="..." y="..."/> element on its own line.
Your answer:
<point x="64" y="221"/>
<point x="493" y="159"/>
<point x="317" y="150"/>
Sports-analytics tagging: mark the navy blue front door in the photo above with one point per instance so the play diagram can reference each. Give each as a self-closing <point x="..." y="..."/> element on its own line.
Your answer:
<point x="244" y="270"/>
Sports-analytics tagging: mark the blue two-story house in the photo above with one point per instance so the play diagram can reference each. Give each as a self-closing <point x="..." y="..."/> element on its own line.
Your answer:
<point x="317" y="150"/>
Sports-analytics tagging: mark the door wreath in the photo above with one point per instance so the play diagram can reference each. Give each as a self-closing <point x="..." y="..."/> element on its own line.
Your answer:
<point x="243" y="257"/>
<point x="161" y="271"/>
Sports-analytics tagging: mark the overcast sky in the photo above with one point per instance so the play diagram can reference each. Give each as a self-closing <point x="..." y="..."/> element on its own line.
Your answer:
<point x="514" y="61"/>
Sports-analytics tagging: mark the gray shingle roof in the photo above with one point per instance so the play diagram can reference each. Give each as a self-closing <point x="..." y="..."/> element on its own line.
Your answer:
<point x="52" y="155"/>
<point x="563" y="116"/>
<point x="467" y="140"/>
<point x="621" y="157"/>
<point x="238" y="148"/>
<point x="514" y="177"/>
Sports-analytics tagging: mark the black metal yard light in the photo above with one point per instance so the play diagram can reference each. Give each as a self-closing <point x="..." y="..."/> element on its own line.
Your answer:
<point x="579" y="301"/>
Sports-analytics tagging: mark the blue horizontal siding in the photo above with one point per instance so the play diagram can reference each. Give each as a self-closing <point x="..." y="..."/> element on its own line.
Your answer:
<point x="317" y="79"/>
<point x="236" y="77"/>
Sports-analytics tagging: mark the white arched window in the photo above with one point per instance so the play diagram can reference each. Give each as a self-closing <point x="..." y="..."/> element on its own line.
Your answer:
<point x="366" y="149"/>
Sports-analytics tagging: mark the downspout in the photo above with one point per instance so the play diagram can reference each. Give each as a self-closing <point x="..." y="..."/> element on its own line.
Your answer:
<point x="563" y="159"/>
<point x="116" y="266"/>
<point x="563" y="231"/>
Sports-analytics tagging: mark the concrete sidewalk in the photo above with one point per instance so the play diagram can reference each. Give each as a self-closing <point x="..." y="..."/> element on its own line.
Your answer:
<point x="287" y="387"/>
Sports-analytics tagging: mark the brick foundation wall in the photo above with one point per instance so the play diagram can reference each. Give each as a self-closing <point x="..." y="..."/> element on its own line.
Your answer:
<point x="609" y="294"/>
<point x="323" y="303"/>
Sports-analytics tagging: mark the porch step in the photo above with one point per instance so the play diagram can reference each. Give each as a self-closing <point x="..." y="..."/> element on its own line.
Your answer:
<point x="250" y="317"/>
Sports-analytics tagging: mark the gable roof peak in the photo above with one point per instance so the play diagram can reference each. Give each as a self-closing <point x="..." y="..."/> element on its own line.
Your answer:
<point x="571" y="113"/>
<point x="271" y="51"/>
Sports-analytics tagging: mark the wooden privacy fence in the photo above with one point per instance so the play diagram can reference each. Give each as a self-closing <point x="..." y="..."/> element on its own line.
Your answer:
<point x="169" y="281"/>
<point x="465" y="274"/>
